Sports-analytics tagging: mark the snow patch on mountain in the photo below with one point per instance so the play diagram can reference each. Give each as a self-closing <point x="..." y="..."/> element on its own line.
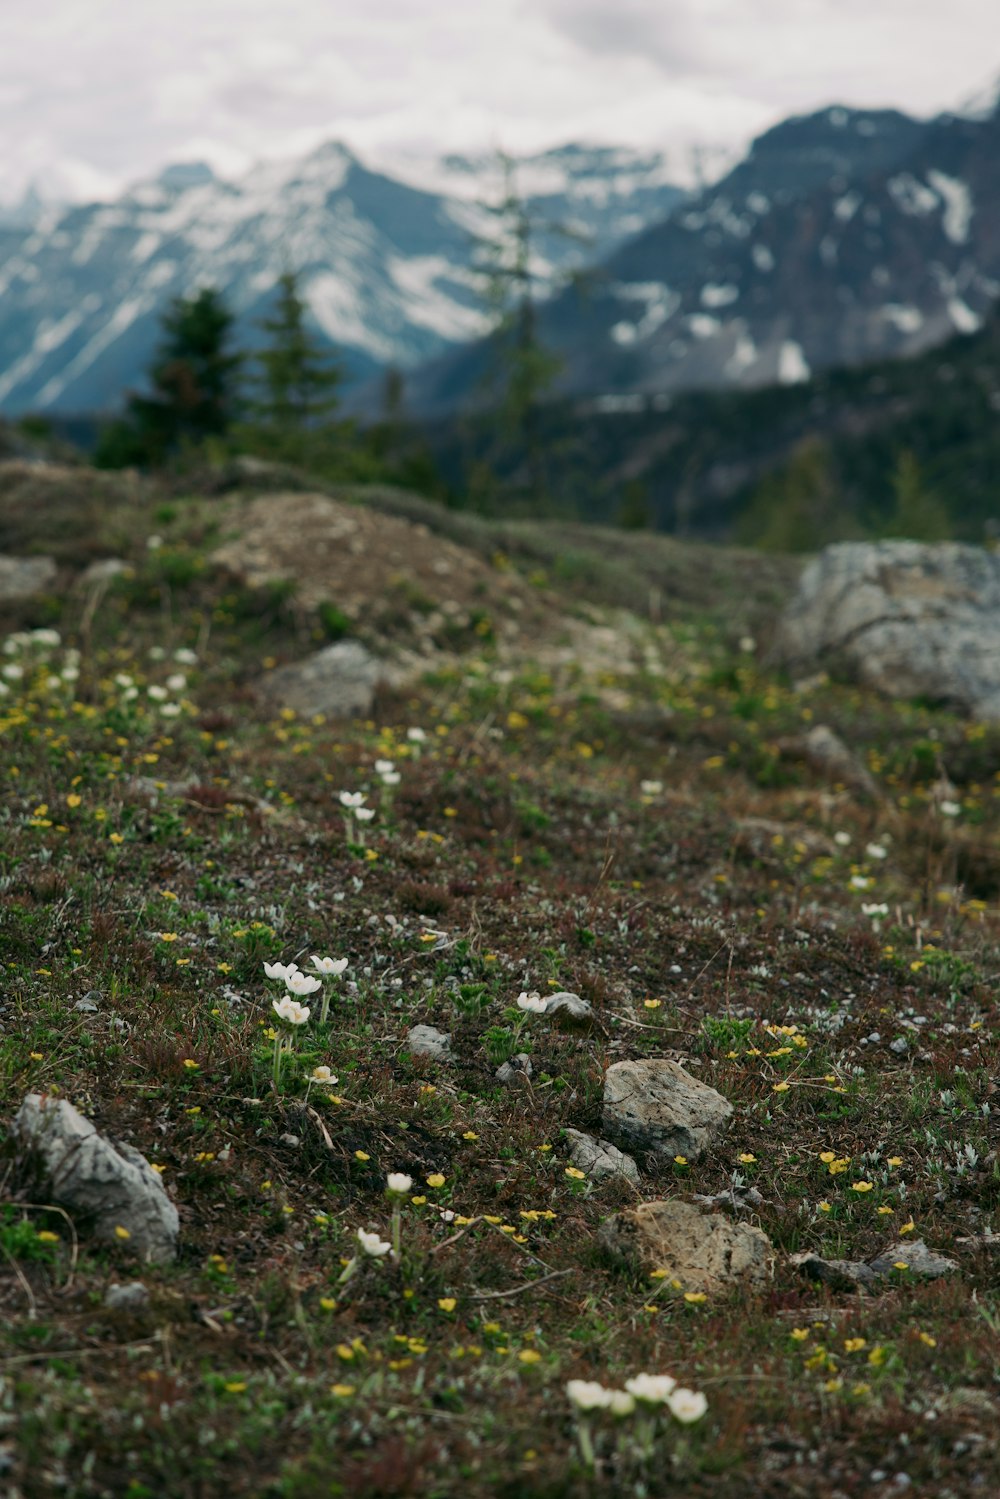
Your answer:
<point x="719" y="295"/>
<point x="962" y="315"/>
<point x="904" y="318"/>
<point x="958" y="209"/>
<point x="912" y="196"/>
<point x="431" y="306"/>
<point x="792" y="366"/>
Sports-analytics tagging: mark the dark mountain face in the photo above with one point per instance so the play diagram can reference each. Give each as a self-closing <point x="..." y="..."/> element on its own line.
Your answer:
<point x="389" y="270"/>
<point x="843" y="237"/>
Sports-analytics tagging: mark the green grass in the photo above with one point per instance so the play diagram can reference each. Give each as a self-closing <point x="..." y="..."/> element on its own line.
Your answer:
<point x="519" y="851"/>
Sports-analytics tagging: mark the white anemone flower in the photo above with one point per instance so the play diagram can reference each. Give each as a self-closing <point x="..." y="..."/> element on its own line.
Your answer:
<point x="13" y="672"/>
<point x="185" y="657"/>
<point x="621" y="1403"/>
<point x="391" y="778"/>
<point x="364" y="814"/>
<point x="280" y="970"/>
<point x="532" y="1001"/>
<point x="372" y="1244"/>
<point x="876" y="851"/>
<point x="329" y="967"/>
<point x="177" y="682"/>
<point x="170" y="710"/>
<point x="290" y="1011"/>
<point x="687" y="1406"/>
<point x="323" y="1075"/>
<point x="416" y="736"/>
<point x="950" y="809"/>
<point x="301" y="983"/>
<point x="352" y="798"/>
<point x="46" y="638"/>
<point x="384" y="767"/>
<point x="651" y="1389"/>
<point x="588" y="1395"/>
<point x="398" y="1181"/>
<point x="157" y="693"/>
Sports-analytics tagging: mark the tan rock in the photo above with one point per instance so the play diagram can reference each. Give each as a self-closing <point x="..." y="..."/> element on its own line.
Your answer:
<point x="704" y="1251"/>
<point x="656" y="1105"/>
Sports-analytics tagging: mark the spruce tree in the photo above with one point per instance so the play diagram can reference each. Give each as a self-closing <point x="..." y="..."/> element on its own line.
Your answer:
<point x="295" y="380"/>
<point x="918" y="514"/>
<point x="523" y="368"/>
<point x="193" y="387"/>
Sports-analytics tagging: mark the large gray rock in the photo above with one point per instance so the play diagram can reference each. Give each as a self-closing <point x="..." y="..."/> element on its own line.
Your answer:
<point x="23" y="577"/>
<point x="656" y="1105"/>
<point x="906" y="619"/>
<point x="599" y="1158"/>
<point x="428" y="1041"/>
<point x="107" y="1187"/>
<point x="703" y="1251"/>
<point x="911" y="1254"/>
<point x="339" y="682"/>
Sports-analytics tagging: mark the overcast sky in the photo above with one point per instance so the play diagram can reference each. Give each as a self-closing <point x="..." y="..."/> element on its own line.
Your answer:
<point x="95" y="93"/>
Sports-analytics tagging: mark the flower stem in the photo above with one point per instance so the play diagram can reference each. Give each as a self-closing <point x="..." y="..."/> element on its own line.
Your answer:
<point x="396" y="1222"/>
<point x="586" y="1445"/>
<point x="276" y="1070"/>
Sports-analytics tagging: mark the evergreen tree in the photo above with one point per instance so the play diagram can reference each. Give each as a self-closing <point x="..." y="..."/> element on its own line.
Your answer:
<point x="799" y="507"/>
<point x="194" y="387"/>
<point x="296" y="380"/>
<point x="523" y="367"/>
<point x="918" y="514"/>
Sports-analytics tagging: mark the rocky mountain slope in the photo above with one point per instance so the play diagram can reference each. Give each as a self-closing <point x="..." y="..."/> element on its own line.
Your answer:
<point x="843" y="237"/>
<point x="390" y="267"/>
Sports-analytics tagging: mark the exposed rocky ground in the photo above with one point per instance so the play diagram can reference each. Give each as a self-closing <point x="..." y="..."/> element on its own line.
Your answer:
<point x="740" y="1129"/>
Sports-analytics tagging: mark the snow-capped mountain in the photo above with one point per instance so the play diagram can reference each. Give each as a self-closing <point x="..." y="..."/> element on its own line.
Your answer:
<point x="844" y="236"/>
<point x="390" y="268"/>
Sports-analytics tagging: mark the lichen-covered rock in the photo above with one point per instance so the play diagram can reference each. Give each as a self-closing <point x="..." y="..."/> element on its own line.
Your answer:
<point x="339" y="682"/>
<point x="23" y="577"/>
<point x="826" y="752"/>
<point x="656" y="1105"/>
<point x="428" y="1041"/>
<point x="599" y="1159"/>
<point x="704" y="1251"/>
<point x="910" y="1254"/>
<point x="903" y="618"/>
<point x="111" y="1189"/>
<point x="517" y="1070"/>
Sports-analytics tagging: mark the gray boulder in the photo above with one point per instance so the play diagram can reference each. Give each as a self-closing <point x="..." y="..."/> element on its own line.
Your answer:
<point x="129" y="1298"/>
<point x="428" y="1041"/>
<point x="106" y="1187"/>
<point x="23" y="577"/>
<point x="903" y="618"/>
<point x="599" y="1158"/>
<point x="911" y="1254"/>
<point x="339" y="682"/>
<point x="656" y="1105"/>
<point x="517" y="1070"/>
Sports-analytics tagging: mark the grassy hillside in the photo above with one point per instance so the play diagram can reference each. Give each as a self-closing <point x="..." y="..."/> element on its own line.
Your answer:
<point x="628" y="820"/>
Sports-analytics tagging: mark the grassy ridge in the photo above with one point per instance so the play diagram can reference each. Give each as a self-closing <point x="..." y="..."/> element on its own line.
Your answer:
<point x="642" y="841"/>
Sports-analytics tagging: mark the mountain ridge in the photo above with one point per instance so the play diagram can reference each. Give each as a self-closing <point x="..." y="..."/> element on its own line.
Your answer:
<point x="389" y="270"/>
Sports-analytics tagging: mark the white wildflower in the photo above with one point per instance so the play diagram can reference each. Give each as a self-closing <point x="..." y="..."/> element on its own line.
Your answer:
<point x="651" y="1389"/>
<point x="532" y="1001"/>
<point x="687" y="1405"/>
<point x="372" y="1244"/>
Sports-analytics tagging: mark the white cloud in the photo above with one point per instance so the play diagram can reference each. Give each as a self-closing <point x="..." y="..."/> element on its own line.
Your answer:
<point x="98" y="92"/>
